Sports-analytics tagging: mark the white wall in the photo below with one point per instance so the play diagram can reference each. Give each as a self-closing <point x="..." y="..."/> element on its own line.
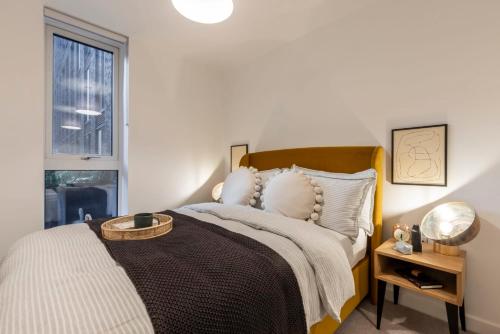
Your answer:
<point x="394" y="64"/>
<point x="175" y="139"/>
<point x="176" y="152"/>
<point x="21" y="116"/>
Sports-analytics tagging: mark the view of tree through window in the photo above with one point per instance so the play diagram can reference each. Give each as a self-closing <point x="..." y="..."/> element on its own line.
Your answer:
<point x="82" y="120"/>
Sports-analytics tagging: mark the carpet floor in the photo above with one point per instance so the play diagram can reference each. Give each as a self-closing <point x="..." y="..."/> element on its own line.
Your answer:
<point x="396" y="319"/>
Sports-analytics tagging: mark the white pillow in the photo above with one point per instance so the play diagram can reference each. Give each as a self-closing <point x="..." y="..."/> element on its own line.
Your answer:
<point x="356" y="192"/>
<point x="242" y="187"/>
<point x="291" y="194"/>
<point x="265" y="176"/>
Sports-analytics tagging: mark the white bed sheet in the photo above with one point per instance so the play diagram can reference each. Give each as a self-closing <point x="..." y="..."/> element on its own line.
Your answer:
<point x="359" y="247"/>
<point x="354" y="249"/>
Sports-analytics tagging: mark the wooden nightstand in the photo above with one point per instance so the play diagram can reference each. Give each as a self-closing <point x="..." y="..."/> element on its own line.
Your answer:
<point x="450" y="270"/>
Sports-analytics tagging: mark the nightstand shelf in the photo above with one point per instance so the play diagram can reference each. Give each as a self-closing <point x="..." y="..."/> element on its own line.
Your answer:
<point x="446" y="294"/>
<point x="446" y="269"/>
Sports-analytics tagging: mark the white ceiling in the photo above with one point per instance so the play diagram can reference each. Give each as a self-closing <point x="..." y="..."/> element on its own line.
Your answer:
<point x="255" y="28"/>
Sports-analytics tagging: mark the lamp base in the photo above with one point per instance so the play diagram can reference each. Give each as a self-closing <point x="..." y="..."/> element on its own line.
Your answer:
<point x="446" y="250"/>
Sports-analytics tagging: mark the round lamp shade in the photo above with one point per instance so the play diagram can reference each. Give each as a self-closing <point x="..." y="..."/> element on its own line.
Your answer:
<point x="217" y="191"/>
<point x="205" y="11"/>
<point x="451" y="224"/>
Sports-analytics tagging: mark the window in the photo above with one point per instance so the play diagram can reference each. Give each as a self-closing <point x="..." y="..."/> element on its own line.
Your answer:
<point x="85" y="126"/>
<point x="82" y="98"/>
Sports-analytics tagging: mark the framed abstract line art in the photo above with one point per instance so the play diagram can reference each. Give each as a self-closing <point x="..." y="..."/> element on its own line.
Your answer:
<point x="237" y="152"/>
<point x="419" y="155"/>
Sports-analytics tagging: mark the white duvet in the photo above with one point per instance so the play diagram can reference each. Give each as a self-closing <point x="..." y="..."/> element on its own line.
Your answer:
<point x="63" y="280"/>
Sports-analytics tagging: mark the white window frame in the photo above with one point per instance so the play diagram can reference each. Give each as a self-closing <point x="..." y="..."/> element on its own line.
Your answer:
<point x="87" y="33"/>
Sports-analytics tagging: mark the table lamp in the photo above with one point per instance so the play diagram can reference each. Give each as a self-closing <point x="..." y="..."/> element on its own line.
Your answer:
<point x="450" y="225"/>
<point x="217" y="191"/>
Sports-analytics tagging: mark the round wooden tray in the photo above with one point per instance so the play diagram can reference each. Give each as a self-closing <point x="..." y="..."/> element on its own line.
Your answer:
<point x="111" y="231"/>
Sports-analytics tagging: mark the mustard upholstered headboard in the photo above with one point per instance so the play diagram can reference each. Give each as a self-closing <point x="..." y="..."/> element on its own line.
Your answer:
<point x="332" y="159"/>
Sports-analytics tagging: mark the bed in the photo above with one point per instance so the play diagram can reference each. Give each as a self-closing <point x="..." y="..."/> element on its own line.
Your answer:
<point x="341" y="160"/>
<point x="67" y="280"/>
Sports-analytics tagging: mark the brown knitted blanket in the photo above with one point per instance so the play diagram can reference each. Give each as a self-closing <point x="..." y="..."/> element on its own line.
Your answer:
<point x="202" y="278"/>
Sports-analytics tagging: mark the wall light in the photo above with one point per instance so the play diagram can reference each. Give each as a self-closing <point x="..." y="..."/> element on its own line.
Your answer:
<point x="205" y="11"/>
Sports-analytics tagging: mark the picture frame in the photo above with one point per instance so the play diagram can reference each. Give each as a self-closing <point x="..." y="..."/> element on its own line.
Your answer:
<point x="237" y="152"/>
<point x="420" y="155"/>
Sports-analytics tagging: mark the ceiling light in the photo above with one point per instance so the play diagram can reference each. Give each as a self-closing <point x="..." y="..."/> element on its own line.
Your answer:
<point x="88" y="112"/>
<point x="71" y="127"/>
<point x="205" y="11"/>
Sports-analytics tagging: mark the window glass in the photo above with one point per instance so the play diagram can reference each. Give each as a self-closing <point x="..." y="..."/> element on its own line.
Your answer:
<point x="82" y="117"/>
<point x="75" y="196"/>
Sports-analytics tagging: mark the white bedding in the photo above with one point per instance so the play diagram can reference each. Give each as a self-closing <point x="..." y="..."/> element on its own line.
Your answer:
<point x="359" y="247"/>
<point x="63" y="280"/>
<point x="354" y="249"/>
